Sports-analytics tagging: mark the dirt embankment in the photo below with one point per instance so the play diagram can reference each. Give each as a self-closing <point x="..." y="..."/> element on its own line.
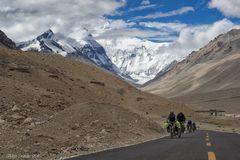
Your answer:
<point x="51" y="106"/>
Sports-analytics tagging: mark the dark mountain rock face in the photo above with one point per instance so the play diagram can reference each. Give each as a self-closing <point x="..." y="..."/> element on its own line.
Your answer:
<point x="6" y="41"/>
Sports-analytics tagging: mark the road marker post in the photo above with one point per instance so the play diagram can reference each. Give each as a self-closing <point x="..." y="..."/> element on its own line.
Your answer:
<point x="208" y="144"/>
<point x="211" y="156"/>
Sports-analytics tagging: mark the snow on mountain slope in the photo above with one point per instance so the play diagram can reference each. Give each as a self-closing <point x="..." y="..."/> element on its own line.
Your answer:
<point x="88" y="49"/>
<point x="133" y="59"/>
<point x="140" y="59"/>
<point x="50" y="43"/>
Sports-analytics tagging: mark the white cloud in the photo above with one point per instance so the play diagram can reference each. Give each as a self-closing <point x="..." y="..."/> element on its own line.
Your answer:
<point x="145" y="2"/>
<point x="23" y="20"/>
<point x="230" y="8"/>
<point x="168" y="27"/>
<point x="142" y="7"/>
<point x="193" y="37"/>
<point x="166" y="14"/>
<point x="131" y="33"/>
<point x="110" y="25"/>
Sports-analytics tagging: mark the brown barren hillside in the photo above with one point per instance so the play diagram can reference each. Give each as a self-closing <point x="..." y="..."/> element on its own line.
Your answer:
<point x="206" y="79"/>
<point x="51" y="106"/>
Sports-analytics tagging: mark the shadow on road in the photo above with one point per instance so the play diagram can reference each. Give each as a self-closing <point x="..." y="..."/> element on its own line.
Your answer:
<point x="184" y="136"/>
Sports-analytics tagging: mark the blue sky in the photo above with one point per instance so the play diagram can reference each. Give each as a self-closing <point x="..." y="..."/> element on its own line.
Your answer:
<point x="200" y="12"/>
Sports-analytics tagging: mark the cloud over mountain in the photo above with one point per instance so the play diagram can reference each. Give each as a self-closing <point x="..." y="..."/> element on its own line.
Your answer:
<point x="23" y="20"/>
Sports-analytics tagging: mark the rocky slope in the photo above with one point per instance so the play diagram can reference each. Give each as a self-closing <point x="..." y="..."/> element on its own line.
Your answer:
<point x="52" y="107"/>
<point x="208" y="78"/>
<point x="4" y="40"/>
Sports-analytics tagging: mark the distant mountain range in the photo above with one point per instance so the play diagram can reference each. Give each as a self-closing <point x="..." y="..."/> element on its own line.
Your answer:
<point x="207" y="78"/>
<point x="135" y="60"/>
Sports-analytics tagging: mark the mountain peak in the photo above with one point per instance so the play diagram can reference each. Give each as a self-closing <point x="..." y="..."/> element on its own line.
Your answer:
<point x="49" y="31"/>
<point x="89" y="35"/>
<point x="46" y="35"/>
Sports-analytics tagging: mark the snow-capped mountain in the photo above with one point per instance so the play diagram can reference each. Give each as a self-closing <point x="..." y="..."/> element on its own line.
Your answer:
<point x="164" y="71"/>
<point x="87" y="49"/>
<point x="133" y="59"/>
<point x="140" y="59"/>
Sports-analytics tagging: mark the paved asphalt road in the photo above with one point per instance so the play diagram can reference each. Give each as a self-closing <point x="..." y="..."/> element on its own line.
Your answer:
<point x="201" y="145"/>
